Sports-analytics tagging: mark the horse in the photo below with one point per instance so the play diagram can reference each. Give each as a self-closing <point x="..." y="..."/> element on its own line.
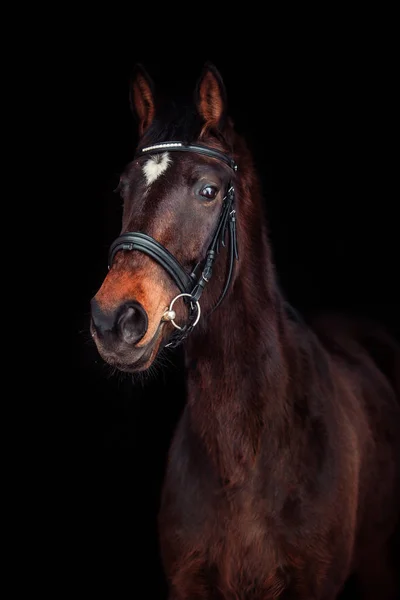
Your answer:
<point x="283" y="474"/>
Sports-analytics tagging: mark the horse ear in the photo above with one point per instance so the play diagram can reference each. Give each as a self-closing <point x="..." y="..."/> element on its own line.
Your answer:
<point x="142" y="98"/>
<point x="210" y="97"/>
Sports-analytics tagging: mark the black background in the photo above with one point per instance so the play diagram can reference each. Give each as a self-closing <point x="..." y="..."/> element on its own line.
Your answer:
<point x="320" y="121"/>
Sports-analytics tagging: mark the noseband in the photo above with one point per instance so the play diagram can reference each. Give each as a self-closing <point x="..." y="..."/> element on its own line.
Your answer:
<point x="190" y="285"/>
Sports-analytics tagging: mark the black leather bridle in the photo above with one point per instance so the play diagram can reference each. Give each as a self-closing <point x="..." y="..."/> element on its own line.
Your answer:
<point x="190" y="285"/>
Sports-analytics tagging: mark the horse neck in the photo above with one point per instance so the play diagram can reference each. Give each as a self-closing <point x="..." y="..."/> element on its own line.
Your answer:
<point x="237" y="362"/>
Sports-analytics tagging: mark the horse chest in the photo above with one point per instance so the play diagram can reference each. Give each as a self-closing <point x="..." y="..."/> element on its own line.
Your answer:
<point x="224" y="547"/>
<point x="216" y="536"/>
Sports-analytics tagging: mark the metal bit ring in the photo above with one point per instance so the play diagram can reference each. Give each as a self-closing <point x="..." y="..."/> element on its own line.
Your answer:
<point x="196" y="304"/>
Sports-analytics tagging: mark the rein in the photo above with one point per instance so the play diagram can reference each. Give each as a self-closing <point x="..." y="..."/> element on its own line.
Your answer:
<point x="190" y="285"/>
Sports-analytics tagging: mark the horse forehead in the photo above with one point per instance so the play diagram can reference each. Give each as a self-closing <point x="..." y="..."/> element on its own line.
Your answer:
<point x="155" y="166"/>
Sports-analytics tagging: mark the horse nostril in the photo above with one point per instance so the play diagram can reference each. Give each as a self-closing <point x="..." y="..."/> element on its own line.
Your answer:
<point x="102" y="321"/>
<point x="132" y="323"/>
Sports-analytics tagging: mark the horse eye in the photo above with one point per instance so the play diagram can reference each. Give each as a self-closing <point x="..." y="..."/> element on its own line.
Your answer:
<point x="209" y="191"/>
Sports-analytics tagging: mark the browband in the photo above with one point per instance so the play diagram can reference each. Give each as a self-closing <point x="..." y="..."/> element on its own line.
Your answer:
<point x="181" y="147"/>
